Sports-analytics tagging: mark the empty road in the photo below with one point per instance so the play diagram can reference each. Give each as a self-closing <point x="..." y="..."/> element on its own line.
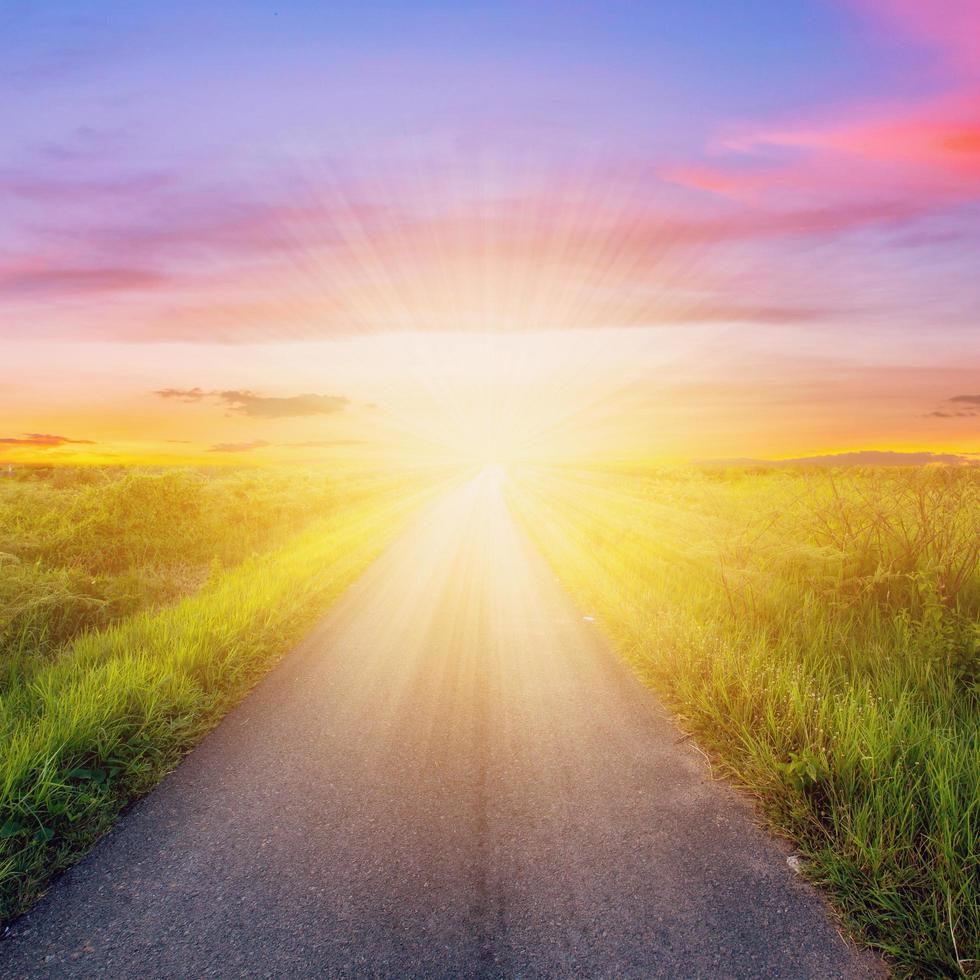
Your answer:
<point x="452" y="776"/>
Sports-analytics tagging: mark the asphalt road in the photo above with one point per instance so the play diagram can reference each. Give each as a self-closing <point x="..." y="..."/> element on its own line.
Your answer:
<point x="450" y="777"/>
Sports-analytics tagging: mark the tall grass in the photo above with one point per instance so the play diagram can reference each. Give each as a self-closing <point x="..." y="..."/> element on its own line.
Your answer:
<point x="96" y="722"/>
<point x="819" y="632"/>
<point x="81" y="548"/>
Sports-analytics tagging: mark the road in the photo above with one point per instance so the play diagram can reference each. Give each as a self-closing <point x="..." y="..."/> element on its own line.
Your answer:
<point x="452" y="776"/>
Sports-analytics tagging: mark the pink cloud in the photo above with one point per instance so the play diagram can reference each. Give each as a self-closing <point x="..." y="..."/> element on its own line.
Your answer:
<point x="612" y="247"/>
<point x="927" y="156"/>
<point x="51" y="283"/>
<point x="339" y="260"/>
<point x="952" y="25"/>
<point x="54" y="192"/>
<point x="941" y="140"/>
<point x="929" y="151"/>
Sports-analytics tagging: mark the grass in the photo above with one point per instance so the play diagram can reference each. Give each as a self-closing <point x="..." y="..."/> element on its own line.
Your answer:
<point x="101" y="697"/>
<point x="818" y="631"/>
<point x="81" y="548"/>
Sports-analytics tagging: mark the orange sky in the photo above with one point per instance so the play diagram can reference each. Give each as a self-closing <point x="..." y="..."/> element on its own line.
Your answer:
<point x="672" y="393"/>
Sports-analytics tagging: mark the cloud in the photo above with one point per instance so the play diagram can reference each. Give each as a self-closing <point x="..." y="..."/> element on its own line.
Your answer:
<point x="333" y="254"/>
<point x="342" y="258"/>
<point x="44" y="440"/>
<point x="827" y="219"/>
<point x="183" y="394"/>
<point x="960" y="407"/>
<point x="245" y="447"/>
<point x="926" y="156"/>
<point x="261" y="406"/>
<point x="54" y="191"/>
<point x="925" y="150"/>
<point x="925" y="239"/>
<point x="238" y="447"/>
<point x="953" y="26"/>
<point x="245" y="402"/>
<point x="326" y="443"/>
<point x="47" y="283"/>
<point x="864" y="457"/>
<point x="85" y="143"/>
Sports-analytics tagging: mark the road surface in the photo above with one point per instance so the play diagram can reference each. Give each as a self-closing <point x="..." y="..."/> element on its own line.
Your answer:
<point x="451" y="776"/>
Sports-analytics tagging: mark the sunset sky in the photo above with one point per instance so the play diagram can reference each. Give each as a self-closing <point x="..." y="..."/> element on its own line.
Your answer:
<point x="273" y="232"/>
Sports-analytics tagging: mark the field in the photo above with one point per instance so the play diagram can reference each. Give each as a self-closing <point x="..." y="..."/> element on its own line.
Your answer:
<point x="818" y="633"/>
<point x="135" y="607"/>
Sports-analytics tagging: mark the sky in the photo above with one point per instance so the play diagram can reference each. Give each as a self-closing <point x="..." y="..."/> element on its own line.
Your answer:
<point x="270" y="232"/>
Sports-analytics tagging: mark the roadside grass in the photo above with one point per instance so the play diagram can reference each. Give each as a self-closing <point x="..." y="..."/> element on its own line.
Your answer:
<point x="101" y="719"/>
<point x="84" y="547"/>
<point x="819" y="633"/>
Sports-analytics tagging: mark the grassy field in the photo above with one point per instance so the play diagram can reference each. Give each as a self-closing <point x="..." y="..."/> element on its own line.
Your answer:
<point x="81" y="548"/>
<point x="135" y="608"/>
<point x="818" y="632"/>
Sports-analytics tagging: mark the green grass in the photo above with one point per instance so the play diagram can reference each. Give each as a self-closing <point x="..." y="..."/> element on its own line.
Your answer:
<point x="81" y="548"/>
<point x="819" y="633"/>
<point x="88" y="725"/>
